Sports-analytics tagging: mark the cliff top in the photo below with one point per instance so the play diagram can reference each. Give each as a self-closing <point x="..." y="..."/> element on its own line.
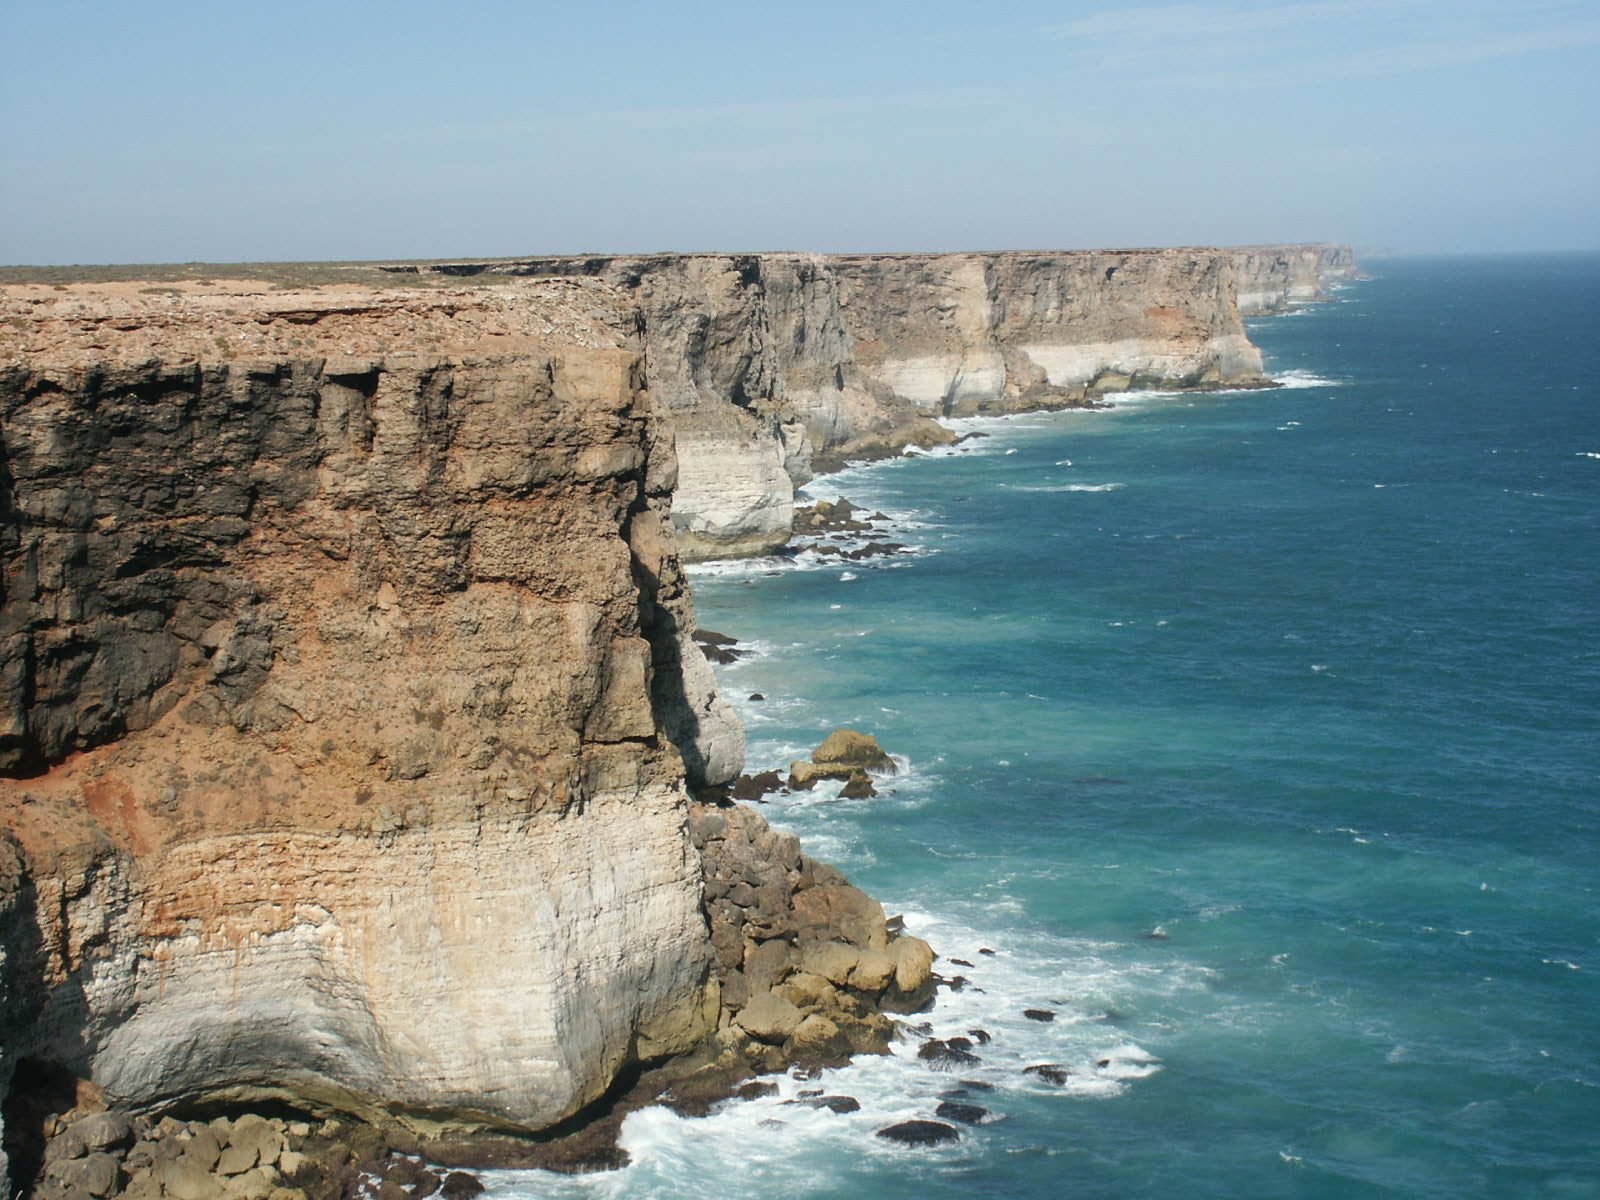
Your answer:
<point x="178" y="319"/>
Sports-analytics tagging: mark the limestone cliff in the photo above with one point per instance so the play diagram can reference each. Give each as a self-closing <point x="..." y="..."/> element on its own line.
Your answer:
<point x="777" y="365"/>
<point x="1273" y="279"/>
<point x="346" y="705"/>
<point x="349" y="712"/>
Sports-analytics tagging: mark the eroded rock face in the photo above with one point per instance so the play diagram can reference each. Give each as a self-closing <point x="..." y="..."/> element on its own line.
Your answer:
<point x="1273" y="279"/>
<point x="348" y="703"/>
<point x="775" y="366"/>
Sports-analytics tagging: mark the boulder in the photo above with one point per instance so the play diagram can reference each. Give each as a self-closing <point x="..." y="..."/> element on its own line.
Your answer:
<point x="767" y="964"/>
<point x="258" y="1183"/>
<point x="833" y="961"/>
<point x="201" y="1149"/>
<point x="182" y="1179"/>
<point x="769" y="1018"/>
<point x="913" y="974"/>
<point x="946" y="1055"/>
<point x="98" y="1131"/>
<point x="459" y="1185"/>
<point x="753" y="787"/>
<point x="829" y="913"/>
<point x="967" y="1114"/>
<point x="838" y="1104"/>
<point x="873" y="972"/>
<point x="236" y="1160"/>
<point x="847" y="747"/>
<point x="803" y="775"/>
<point x="857" y="787"/>
<point x="807" y="991"/>
<point x="818" y="1040"/>
<point x="920" y="1133"/>
<point x="95" y="1174"/>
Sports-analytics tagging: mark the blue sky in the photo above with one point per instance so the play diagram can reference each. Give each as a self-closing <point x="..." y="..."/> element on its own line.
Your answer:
<point x="165" y="130"/>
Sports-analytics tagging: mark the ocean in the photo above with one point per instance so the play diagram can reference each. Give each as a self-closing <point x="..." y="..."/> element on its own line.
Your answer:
<point x="1254" y="735"/>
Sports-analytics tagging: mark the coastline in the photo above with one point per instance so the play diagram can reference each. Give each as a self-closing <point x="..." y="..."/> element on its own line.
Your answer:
<point x="407" y="312"/>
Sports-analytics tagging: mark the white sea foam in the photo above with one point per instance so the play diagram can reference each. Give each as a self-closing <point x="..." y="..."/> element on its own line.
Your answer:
<point x="1068" y="487"/>
<point x="784" y="1147"/>
<point x="1305" y="379"/>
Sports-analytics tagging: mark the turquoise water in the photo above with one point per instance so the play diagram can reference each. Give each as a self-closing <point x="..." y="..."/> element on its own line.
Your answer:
<point x="1304" y="683"/>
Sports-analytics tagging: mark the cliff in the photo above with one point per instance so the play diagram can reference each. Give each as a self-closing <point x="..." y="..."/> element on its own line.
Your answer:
<point x="1274" y="279"/>
<point x="775" y="366"/>
<point x="350" y="718"/>
<point x="350" y="709"/>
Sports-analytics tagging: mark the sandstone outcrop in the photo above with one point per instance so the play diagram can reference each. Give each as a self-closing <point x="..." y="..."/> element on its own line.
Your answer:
<point x="348" y="701"/>
<point x="776" y="366"/>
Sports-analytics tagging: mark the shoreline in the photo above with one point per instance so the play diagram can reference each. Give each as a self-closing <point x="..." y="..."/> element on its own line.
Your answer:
<point x="452" y="330"/>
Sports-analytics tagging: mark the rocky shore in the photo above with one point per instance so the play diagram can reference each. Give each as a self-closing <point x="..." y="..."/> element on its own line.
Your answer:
<point x="777" y="367"/>
<point x="345" y="635"/>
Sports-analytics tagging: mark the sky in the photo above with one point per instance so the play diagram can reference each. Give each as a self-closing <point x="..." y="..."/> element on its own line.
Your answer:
<point x="176" y="131"/>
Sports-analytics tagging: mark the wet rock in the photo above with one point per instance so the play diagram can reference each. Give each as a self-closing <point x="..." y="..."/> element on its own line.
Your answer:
<point x="460" y="1185"/>
<point x="981" y="1036"/>
<point x="920" y="1133"/>
<point x="976" y="1085"/>
<point x="756" y="1089"/>
<point x="415" y="1177"/>
<point x="960" y="962"/>
<point x="942" y="1056"/>
<point x="1039" y="1014"/>
<point x="986" y="950"/>
<point x="717" y="647"/>
<point x="857" y="787"/>
<point x="838" y="1104"/>
<point x="1049" y="1072"/>
<point x="847" y="747"/>
<point x="967" y="1114"/>
<point x="754" y="787"/>
<point x="817" y="1039"/>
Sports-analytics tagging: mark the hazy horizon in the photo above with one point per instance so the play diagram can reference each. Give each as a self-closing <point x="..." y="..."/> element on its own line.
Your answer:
<point x="362" y="131"/>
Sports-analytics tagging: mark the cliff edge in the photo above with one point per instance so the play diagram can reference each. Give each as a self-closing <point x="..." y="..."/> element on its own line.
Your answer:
<point x="349" y="714"/>
<point x="777" y="366"/>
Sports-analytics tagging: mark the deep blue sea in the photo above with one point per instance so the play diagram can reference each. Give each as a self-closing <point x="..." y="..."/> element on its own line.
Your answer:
<point x="1258" y="736"/>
